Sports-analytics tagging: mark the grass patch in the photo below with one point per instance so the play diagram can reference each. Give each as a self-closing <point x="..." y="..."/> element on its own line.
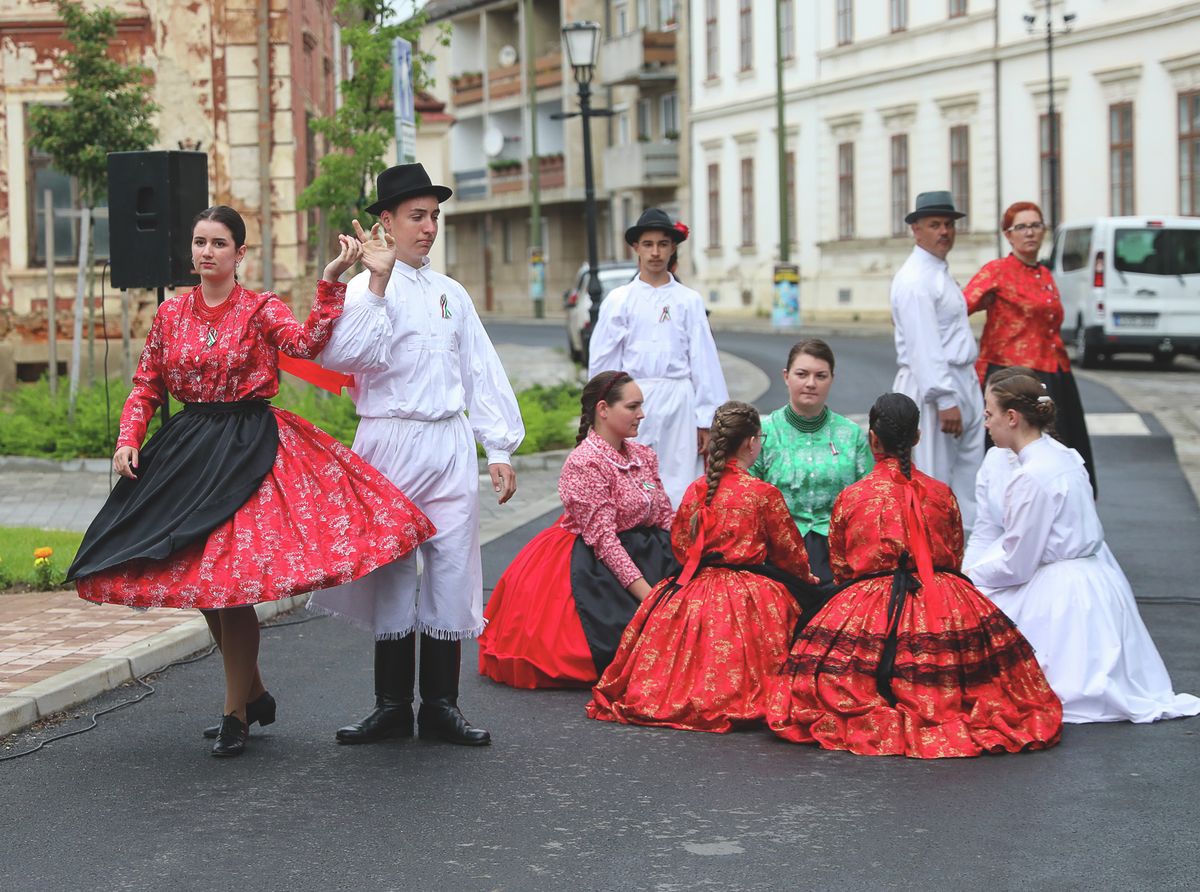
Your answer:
<point x="17" y="545"/>
<point x="33" y="424"/>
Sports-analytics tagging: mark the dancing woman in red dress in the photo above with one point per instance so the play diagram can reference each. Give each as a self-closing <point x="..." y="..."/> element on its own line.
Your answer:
<point x="908" y="658"/>
<point x="702" y="649"/>
<point x="234" y="502"/>
<point x="557" y="613"/>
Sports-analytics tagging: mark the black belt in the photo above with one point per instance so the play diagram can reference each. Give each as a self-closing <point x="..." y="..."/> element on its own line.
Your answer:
<point x="810" y="597"/>
<point x="252" y="405"/>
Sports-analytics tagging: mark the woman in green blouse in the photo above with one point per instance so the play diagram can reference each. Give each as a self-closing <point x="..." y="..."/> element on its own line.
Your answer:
<point x="810" y="453"/>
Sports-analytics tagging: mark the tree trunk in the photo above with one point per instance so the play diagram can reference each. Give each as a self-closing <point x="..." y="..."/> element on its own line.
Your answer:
<point x="85" y="237"/>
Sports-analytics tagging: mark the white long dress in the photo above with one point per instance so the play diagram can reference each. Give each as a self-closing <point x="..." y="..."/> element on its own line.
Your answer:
<point x="1050" y="571"/>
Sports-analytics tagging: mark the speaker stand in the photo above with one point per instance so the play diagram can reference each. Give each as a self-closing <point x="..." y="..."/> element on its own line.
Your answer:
<point x="165" y="411"/>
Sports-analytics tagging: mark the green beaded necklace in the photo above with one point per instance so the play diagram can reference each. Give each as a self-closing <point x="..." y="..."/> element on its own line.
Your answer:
<point x="806" y="425"/>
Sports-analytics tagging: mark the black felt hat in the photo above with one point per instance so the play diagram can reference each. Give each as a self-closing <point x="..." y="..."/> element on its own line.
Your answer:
<point x="934" y="204"/>
<point x="403" y="181"/>
<point x="653" y="218"/>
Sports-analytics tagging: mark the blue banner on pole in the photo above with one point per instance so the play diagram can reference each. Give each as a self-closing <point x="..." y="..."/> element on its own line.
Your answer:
<point x="403" y="101"/>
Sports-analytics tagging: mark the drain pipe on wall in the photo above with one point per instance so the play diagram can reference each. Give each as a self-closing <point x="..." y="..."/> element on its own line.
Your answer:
<point x="264" y="144"/>
<point x="996" y="124"/>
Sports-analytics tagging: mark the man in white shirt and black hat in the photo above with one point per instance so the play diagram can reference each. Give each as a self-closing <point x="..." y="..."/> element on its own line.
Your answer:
<point x="428" y="384"/>
<point x="936" y="352"/>
<point x="655" y="329"/>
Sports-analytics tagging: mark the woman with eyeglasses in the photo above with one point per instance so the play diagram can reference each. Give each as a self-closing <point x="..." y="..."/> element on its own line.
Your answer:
<point x="1024" y="321"/>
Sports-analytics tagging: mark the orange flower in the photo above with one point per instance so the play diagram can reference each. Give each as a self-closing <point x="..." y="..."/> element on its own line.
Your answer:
<point x="43" y="552"/>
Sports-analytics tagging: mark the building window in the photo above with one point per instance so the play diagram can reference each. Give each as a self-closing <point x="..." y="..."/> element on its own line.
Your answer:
<point x="789" y="161"/>
<point x="1050" y="153"/>
<point x="644" y="124"/>
<point x="787" y="27"/>
<point x="643" y="16"/>
<point x="670" y="115"/>
<point x="745" y="36"/>
<point x="40" y="176"/>
<point x="898" y="14"/>
<point x="451" y="244"/>
<point x="506" y="242"/>
<point x="899" y="182"/>
<point x="845" y="22"/>
<point x="668" y="14"/>
<point x="747" y="202"/>
<point x="846" y="190"/>
<point x="622" y="116"/>
<point x="1189" y="153"/>
<point x="957" y="8"/>
<point x="710" y="39"/>
<point x="620" y="18"/>
<point x="1120" y="158"/>
<point x="960" y="172"/>
<point x="714" y="205"/>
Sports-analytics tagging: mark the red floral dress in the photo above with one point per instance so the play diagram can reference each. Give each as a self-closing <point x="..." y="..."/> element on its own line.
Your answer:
<point x="701" y="657"/>
<point x="534" y="637"/>
<point x="964" y="680"/>
<point x="321" y="517"/>
<point x="1024" y="322"/>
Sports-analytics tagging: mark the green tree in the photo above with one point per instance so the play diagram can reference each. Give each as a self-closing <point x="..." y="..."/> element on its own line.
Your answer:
<point x="108" y="109"/>
<point x="361" y="130"/>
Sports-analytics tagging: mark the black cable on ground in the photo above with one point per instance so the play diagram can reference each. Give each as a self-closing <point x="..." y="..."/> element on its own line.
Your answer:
<point x="149" y="689"/>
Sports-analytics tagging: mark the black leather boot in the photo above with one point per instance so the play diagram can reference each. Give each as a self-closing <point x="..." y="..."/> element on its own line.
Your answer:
<point x="395" y="666"/>
<point x="439" y="717"/>
<point x="261" y="710"/>
<point x="231" y="739"/>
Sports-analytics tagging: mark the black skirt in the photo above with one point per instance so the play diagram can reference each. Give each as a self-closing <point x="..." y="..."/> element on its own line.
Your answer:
<point x="605" y="606"/>
<point x="817" y="547"/>
<point x="1070" y="425"/>
<point x="193" y="475"/>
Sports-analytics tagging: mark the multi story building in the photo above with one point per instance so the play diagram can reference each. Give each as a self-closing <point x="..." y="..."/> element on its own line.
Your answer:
<point x="483" y="75"/>
<point x="204" y="62"/>
<point x="888" y="98"/>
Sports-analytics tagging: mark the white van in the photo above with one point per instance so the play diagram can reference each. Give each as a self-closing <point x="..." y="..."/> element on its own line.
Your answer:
<point x="1130" y="285"/>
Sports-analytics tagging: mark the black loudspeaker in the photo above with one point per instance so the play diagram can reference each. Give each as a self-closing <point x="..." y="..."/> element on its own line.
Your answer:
<point x="152" y="198"/>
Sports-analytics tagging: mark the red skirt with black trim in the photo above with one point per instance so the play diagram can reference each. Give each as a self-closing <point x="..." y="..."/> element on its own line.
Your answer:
<point x="965" y="681"/>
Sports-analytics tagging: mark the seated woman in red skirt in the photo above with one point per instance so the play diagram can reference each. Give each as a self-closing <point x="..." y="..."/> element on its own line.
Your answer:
<point x="703" y="648"/>
<point x="908" y="658"/>
<point x="557" y="613"/>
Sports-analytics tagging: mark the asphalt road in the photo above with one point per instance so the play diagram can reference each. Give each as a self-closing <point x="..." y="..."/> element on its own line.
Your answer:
<point x="560" y="802"/>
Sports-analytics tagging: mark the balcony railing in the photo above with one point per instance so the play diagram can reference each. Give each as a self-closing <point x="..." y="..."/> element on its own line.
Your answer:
<point x="471" y="185"/>
<point x="468" y="88"/>
<point x="641" y="164"/>
<point x="637" y="56"/>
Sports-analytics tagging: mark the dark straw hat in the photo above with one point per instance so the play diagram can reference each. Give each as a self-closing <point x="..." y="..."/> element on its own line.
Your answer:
<point x="653" y="219"/>
<point x="403" y="181"/>
<point x="934" y="204"/>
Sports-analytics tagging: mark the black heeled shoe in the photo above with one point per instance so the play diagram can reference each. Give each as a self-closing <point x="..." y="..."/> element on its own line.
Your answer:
<point x="231" y="740"/>
<point x="261" y="710"/>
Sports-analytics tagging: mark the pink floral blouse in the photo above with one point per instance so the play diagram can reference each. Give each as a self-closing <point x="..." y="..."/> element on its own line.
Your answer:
<point x="605" y="492"/>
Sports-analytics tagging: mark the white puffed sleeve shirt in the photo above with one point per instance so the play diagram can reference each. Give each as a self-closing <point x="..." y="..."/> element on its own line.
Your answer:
<point x="420" y="352"/>
<point x="932" y="332"/>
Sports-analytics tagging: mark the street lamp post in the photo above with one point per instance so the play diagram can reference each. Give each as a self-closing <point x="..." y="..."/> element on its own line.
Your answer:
<point x="1052" y="123"/>
<point x="583" y="49"/>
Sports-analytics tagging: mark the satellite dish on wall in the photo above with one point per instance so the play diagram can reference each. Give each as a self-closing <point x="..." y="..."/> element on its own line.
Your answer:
<point x="493" y="142"/>
<point x="508" y="55"/>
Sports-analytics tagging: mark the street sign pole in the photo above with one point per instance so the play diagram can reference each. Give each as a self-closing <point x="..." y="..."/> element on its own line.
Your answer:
<point x="403" y="105"/>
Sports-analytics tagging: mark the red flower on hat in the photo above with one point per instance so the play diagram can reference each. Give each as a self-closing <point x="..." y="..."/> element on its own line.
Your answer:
<point x="682" y="229"/>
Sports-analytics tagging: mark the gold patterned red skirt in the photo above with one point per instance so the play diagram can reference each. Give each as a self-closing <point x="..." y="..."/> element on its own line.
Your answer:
<point x="701" y="657"/>
<point x="964" y="680"/>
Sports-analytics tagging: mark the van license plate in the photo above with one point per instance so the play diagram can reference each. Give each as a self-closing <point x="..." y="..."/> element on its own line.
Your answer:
<point x="1136" y="320"/>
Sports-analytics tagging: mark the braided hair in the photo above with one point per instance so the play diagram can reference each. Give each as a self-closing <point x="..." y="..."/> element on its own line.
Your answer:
<point x="1026" y="395"/>
<point x="603" y="387"/>
<point x="732" y="425"/>
<point x="895" y="420"/>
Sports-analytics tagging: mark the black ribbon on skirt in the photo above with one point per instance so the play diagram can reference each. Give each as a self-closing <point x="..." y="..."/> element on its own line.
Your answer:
<point x="193" y="475"/>
<point x="905" y="583"/>
<point x="810" y="597"/>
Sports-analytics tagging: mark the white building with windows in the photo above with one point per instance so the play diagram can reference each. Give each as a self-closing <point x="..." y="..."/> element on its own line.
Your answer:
<point x="888" y="98"/>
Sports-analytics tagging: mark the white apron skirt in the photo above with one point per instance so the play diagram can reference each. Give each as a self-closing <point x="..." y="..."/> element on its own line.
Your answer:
<point x="434" y="464"/>
<point x="669" y="428"/>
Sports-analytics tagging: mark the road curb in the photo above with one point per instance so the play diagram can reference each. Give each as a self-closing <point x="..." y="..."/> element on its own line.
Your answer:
<point x="81" y="683"/>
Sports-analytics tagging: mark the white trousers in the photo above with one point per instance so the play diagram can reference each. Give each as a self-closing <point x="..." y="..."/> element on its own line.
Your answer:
<point x="669" y="428"/>
<point x="952" y="460"/>
<point x="434" y="464"/>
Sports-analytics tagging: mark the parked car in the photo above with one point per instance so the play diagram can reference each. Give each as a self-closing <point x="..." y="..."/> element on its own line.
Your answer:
<point x="578" y="303"/>
<point x="1130" y="285"/>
